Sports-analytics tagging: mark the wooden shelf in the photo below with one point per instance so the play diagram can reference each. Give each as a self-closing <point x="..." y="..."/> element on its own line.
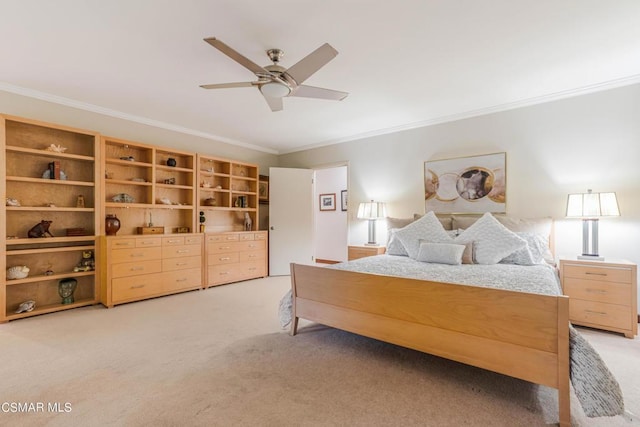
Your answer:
<point x="51" y="308"/>
<point x="49" y="153"/>
<point x="49" y="181"/>
<point x="16" y="252"/>
<point x="128" y="182"/>
<point x="128" y="163"/>
<point x="42" y="278"/>
<point x="49" y="209"/>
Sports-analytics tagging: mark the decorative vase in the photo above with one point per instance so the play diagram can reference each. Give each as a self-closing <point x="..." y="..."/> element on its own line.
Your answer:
<point x="171" y="162"/>
<point x="66" y="288"/>
<point x="111" y="225"/>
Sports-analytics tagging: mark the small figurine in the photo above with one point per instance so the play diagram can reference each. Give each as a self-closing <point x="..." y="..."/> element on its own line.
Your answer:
<point x="56" y="148"/>
<point x="17" y="272"/>
<point x="80" y="201"/>
<point x="40" y="230"/>
<point x="26" y="306"/>
<point x="202" y="221"/>
<point x="87" y="263"/>
<point x="12" y="202"/>
<point x="248" y="222"/>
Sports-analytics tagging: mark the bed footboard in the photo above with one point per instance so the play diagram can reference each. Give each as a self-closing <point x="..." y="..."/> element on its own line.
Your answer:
<point x="518" y="334"/>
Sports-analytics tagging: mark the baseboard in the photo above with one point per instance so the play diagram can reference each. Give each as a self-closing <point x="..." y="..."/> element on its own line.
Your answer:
<point x="326" y="261"/>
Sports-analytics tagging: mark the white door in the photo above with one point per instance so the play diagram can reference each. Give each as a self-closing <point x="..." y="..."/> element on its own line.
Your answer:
<point x="290" y="219"/>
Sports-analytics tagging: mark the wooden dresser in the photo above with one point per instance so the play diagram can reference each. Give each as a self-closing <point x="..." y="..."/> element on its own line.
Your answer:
<point x="362" y="251"/>
<point x="235" y="256"/>
<point x="601" y="294"/>
<point x="140" y="267"/>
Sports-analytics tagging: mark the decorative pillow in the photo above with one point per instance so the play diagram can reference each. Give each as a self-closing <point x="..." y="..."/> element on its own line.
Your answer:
<point x="395" y="224"/>
<point x="426" y="228"/>
<point x="394" y="247"/>
<point x="533" y="253"/>
<point x="446" y="221"/>
<point x="441" y="253"/>
<point x="493" y="241"/>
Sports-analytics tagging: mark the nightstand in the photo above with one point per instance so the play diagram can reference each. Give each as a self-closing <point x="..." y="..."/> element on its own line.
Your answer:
<point x="602" y="294"/>
<point x="361" y="251"/>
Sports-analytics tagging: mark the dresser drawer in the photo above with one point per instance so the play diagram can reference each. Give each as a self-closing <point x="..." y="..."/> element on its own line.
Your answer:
<point x="185" y="263"/>
<point x="252" y="255"/>
<point x="598" y="314"/>
<point x="249" y="270"/>
<point x="223" y="258"/>
<point x="127" y="269"/>
<point x="247" y="236"/>
<point x="148" y="242"/>
<point x="179" y="251"/>
<point x="260" y="236"/>
<point x="604" y="274"/>
<point x="223" y="247"/>
<point x="136" y="254"/>
<point x="128" y="288"/>
<point x="181" y="279"/>
<point x="253" y="245"/>
<point x="173" y="240"/>
<point x="597" y="291"/>
<point x="123" y="243"/>
<point x="223" y="274"/>
<point x="231" y="237"/>
<point x="193" y="240"/>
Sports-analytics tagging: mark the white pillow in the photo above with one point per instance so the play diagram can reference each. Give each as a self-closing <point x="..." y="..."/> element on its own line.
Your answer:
<point x="426" y="228"/>
<point x="441" y="253"/>
<point x="394" y="247"/>
<point x="492" y="240"/>
<point x="533" y="253"/>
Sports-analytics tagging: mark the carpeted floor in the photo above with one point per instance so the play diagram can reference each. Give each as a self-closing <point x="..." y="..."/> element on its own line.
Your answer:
<point x="219" y="358"/>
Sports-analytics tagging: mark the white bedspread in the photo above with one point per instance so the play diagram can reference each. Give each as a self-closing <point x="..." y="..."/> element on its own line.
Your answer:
<point x="595" y="386"/>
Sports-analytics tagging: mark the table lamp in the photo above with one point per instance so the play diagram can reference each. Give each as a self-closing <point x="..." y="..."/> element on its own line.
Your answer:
<point x="590" y="206"/>
<point x="372" y="211"/>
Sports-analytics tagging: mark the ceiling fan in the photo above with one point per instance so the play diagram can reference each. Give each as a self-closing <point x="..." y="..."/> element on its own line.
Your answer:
<point x="276" y="82"/>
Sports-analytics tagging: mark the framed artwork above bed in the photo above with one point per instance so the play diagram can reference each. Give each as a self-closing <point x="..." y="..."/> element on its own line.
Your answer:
<point x="475" y="184"/>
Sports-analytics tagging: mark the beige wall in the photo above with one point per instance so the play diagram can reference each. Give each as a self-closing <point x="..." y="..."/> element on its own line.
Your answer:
<point x="590" y="141"/>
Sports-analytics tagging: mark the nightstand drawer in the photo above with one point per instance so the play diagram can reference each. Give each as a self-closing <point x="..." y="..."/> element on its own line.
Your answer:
<point x="596" y="291"/>
<point x="605" y="274"/>
<point x="598" y="314"/>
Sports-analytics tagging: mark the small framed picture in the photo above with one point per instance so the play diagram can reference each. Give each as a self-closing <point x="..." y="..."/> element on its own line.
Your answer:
<point x="343" y="200"/>
<point x="328" y="202"/>
<point x="263" y="189"/>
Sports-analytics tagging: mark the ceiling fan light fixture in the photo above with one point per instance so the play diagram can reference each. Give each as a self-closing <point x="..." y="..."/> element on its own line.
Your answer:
<point x="275" y="90"/>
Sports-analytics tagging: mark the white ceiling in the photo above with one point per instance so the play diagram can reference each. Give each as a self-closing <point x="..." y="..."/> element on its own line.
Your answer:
<point x="405" y="63"/>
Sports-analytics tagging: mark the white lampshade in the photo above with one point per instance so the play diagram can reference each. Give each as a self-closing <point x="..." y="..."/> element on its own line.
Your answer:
<point x="592" y="205"/>
<point x="371" y="210"/>
<point x="275" y="90"/>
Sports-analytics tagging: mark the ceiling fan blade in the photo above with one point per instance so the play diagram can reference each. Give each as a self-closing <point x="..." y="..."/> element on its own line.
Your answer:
<point x="274" y="103"/>
<point x="318" y="92"/>
<point x="311" y="63"/>
<point x="227" y="85"/>
<point x="240" y="59"/>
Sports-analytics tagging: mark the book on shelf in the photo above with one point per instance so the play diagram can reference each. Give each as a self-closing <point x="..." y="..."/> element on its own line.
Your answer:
<point x="54" y="170"/>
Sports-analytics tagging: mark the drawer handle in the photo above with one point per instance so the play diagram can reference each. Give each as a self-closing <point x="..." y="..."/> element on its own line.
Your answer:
<point x="224" y="247"/>
<point x="137" y="287"/>
<point x="136" y="255"/>
<point x="137" y="268"/>
<point x="181" y="263"/>
<point x="597" y="291"/>
<point x="252" y="268"/>
<point x="252" y="256"/>
<point x="595" y="274"/>
<point x="252" y="246"/>
<point x="181" y="280"/>
<point x="226" y="258"/>
<point x="184" y="251"/>
<point x="146" y="243"/>
<point x="230" y="238"/>
<point x="123" y="244"/>
<point x="596" y="312"/>
<point x="173" y="241"/>
<point x="223" y="272"/>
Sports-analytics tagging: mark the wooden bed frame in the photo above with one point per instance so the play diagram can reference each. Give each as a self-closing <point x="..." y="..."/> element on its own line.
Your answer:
<point x="518" y="334"/>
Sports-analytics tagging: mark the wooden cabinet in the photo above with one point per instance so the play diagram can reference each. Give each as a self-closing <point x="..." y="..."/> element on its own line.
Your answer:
<point x="362" y="251"/>
<point x="227" y="192"/>
<point x="48" y="174"/>
<point x="148" y="186"/>
<point x="141" y="267"/>
<point x="602" y="295"/>
<point x="235" y="256"/>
